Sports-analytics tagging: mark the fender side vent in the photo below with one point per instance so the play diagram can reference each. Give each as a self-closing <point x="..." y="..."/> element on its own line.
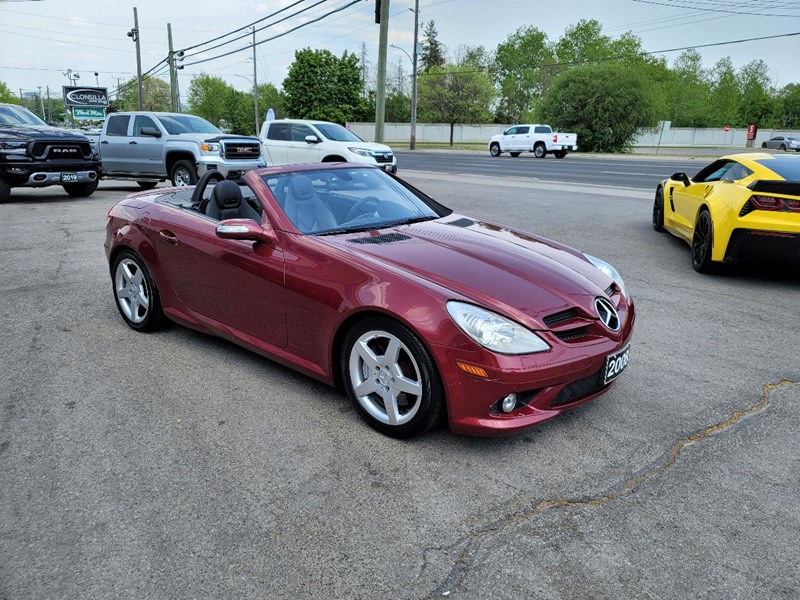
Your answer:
<point x="571" y="335"/>
<point x="560" y="317"/>
<point x="380" y="239"/>
<point x="461" y="223"/>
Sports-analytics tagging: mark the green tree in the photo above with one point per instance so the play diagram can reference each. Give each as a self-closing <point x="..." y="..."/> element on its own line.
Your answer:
<point x="787" y="114"/>
<point x="433" y="51"/>
<point x="757" y="104"/>
<point x="604" y="103"/>
<point x="321" y="86"/>
<point x="523" y="64"/>
<point x="155" y="95"/>
<point x="209" y="97"/>
<point x="689" y="91"/>
<point x="455" y="94"/>
<point x="6" y="95"/>
<point x="725" y="96"/>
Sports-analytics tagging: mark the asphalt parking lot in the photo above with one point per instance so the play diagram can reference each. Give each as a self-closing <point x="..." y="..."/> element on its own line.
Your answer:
<point x="176" y="465"/>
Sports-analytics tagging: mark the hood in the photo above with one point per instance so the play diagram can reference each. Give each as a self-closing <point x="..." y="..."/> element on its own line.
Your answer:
<point x="519" y="275"/>
<point x="40" y="132"/>
<point x="215" y="137"/>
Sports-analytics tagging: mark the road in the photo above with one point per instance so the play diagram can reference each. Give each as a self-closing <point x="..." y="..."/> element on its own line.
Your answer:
<point x="624" y="171"/>
<point x="177" y="465"/>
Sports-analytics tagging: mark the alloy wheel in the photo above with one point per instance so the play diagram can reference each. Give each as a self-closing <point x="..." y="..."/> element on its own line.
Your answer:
<point x="131" y="290"/>
<point x="385" y="378"/>
<point x="182" y="177"/>
<point x="701" y="242"/>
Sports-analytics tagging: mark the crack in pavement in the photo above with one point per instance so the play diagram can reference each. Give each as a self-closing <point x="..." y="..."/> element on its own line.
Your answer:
<point x="654" y="469"/>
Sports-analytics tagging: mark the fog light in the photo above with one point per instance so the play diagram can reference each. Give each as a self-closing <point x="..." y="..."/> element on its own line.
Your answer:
<point x="508" y="403"/>
<point x="18" y="171"/>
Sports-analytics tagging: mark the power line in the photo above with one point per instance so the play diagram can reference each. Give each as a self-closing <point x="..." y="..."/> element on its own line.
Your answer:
<point x="724" y="10"/>
<point x="35" y="37"/>
<point x="248" y="47"/>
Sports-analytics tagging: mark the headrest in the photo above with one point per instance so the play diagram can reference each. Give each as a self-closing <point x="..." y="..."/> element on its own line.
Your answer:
<point x="301" y="188"/>
<point x="227" y="194"/>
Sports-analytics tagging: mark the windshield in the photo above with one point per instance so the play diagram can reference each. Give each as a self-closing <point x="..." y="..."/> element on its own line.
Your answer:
<point x="16" y="115"/>
<point x="329" y="201"/>
<point x="337" y="133"/>
<point x="177" y="124"/>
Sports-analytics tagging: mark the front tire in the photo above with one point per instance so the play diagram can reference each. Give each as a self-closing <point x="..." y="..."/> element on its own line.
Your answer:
<point x="80" y="190"/>
<point x="783" y="147"/>
<point x="494" y="150"/>
<point x="5" y="191"/>
<point x="539" y="151"/>
<point x="183" y="173"/>
<point x="136" y="293"/>
<point x="658" y="210"/>
<point x="702" y="243"/>
<point x="391" y="379"/>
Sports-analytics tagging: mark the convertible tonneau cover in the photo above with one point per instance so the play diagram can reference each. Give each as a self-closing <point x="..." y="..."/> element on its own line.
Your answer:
<point x="766" y="186"/>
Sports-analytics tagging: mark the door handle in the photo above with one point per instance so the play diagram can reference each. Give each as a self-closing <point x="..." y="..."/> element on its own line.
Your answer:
<point x="104" y="142"/>
<point x="168" y="237"/>
<point x="133" y="142"/>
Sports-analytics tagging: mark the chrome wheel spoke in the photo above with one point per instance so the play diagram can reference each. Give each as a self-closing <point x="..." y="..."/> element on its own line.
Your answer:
<point x="126" y="270"/>
<point x="366" y="387"/>
<point x="392" y="353"/>
<point x="390" y="404"/>
<point x="141" y="298"/>
<point x="367" y="355"/>
<point x="407" y="386"/>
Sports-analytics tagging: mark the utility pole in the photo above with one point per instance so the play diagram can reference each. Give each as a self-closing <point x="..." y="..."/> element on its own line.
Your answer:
<point x="173" y="90"/>
<point x="255" y="79"/>
<point x="49" y="106"/>
<point x="380" y="91"/>
<point x="413" y="142"/>
<point x="134" y="35"/>
<point x="119" y="85"/>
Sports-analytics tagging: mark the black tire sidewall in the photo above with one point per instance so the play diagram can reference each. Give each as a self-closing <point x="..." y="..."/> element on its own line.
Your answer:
<point x="658" y="225"/>
<point x="5" y="191"/>
<point x="81" y="190"/>
<point x="494" y="150"/>
<point x="184" y="164"/>
<point x="539" y="148"/>
<point x="147" y="185"/>
<point x="706" y="266"/>
<point x="432" y="401"/>
<point x="155" y="316"/>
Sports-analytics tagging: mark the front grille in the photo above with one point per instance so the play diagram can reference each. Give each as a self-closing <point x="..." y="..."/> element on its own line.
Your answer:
<point x="570" y="335"/>
<point x="572" y="392"/>
<point x="560" y="317"/>
<point x="242" y="151"/>
<point x="61" y="150"/>
<point x="386" y="157"/>
<point x="380" y="239"/>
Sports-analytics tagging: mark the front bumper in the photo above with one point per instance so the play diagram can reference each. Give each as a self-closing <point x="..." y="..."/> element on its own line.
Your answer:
<point x="228" y="167"/>
<point x="546" y="384"/>
<point x="28" y="173"/>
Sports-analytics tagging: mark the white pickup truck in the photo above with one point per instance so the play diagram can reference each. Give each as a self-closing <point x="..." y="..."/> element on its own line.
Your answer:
<point x="539" y="139"/>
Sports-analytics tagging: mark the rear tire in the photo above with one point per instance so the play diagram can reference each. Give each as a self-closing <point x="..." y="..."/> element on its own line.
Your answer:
<point x="539" y="151"/>
<point x="147" y="185"/>
<point x="183" y="174"/>
<point x="399" y="388"/>
<point x="658" y="210"/>
<point x="80" y="190"/>
<point x="494" y="150"/>
<point x="702" y="243"/>
<point x="515" y="154"/>
<point x="783" y="147"/>
<point x="135" y="292"/>
<point x="5" y="191"/>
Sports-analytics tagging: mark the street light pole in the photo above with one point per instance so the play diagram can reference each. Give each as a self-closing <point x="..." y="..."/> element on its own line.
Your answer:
<point x="413" y="142"/>
<point x="255" y="79"/>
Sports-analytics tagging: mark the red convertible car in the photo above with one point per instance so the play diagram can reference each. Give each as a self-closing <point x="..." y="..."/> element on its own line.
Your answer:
<point x="358" y="279"/>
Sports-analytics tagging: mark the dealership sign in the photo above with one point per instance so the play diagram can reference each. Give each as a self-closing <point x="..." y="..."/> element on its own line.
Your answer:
<point x="85" y="96"/>
<point x="93" y="113"/>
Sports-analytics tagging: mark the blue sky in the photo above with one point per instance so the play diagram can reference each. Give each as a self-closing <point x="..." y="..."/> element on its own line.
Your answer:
<point x="41" y="39"/>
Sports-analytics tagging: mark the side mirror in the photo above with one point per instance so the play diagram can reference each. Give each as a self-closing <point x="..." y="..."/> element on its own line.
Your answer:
<point x="312" y="139"/>
<point x="682" y="177"/>
<point x="150" y="131"/>
<point x="246" y="229"/>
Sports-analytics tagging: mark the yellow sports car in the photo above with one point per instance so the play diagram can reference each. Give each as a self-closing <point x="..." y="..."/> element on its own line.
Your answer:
<point x="739" y="204"/>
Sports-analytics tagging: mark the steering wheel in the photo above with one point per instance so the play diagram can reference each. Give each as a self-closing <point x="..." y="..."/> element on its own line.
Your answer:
<point x="351" y="214"/>
<point x="202" y="184"/>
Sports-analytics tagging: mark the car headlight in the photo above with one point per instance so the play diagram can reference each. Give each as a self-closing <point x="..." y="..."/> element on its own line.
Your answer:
<point x="608" y="270"/>
<point x="494" y="332"/>
<point x="12" y="146"/>
<point x="209" y="148"/>
<point x="360" y="151"/>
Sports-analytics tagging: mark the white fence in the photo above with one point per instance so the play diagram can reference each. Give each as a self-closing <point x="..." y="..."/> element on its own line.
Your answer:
<point x="664" y="135"/>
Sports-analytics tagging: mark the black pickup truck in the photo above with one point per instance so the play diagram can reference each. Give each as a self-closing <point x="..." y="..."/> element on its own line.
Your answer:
<point x="33" y="154"/>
